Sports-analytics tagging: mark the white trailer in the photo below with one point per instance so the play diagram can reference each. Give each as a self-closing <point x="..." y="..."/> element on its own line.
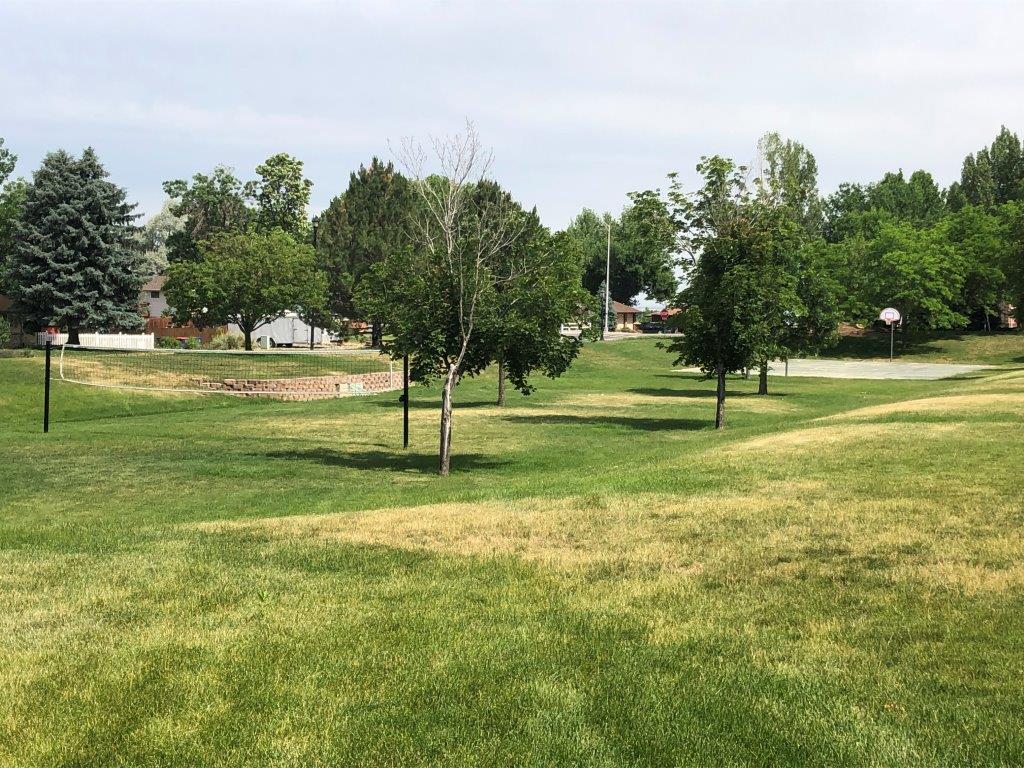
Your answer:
<point x="288" y="330"/>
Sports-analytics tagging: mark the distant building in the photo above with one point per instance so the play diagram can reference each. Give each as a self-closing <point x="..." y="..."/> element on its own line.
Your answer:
<point x="626" y="317"/>
<point x="152" y="302"/>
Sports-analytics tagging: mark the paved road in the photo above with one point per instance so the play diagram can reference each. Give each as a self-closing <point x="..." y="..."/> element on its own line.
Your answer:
<point x="863" y="369"/>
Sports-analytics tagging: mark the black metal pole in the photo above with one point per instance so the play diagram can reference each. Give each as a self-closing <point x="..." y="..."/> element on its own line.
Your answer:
<point x="46" y="390"/>
<point x="405" y="401"/>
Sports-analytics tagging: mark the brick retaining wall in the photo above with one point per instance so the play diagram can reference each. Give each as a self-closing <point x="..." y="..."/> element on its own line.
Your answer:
<point x="310" y="387"/>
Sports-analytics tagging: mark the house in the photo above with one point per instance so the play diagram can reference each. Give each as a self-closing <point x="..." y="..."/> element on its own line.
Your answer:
<point x="152" y="301"/>
<point x="626" y="317"/>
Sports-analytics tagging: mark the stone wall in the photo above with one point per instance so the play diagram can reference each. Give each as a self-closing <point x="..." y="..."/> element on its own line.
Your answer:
<point x="310" y="387"/>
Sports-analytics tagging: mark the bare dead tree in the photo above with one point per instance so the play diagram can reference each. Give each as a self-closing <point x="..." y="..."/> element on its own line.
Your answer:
<point x="463" y="242"/>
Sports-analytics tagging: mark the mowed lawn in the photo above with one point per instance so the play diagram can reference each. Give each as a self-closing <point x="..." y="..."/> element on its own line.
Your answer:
<point x="836" y="579"/>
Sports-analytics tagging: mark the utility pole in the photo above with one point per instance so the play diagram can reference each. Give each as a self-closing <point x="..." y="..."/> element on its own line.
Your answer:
<point x="608" y="277"/>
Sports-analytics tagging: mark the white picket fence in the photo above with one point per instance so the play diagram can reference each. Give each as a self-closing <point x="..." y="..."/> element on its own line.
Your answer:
<point x="101" y="340"/>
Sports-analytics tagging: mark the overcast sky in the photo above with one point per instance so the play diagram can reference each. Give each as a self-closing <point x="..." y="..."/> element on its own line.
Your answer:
<point x="581" y="102"/>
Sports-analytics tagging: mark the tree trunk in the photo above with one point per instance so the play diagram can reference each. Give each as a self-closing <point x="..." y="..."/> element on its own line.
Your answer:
<point x="444" y="452"/>
<point x="247" y="333"/>
<point x="501" y="382"/>
<point x="376" y="334"/>
<point x="762" y="381"/>
<point x="312" y="337"/>
<point x="720" y="405"/>
<point x="746" y="373"/>
<point x="73" y="336"/>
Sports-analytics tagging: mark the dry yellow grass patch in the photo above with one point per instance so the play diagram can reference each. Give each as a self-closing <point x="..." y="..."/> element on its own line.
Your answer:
<point x="838" y="437"/>
<point x="630" y="400"/>
<point x="778" y="533"/>
<point x="948" y="404"/>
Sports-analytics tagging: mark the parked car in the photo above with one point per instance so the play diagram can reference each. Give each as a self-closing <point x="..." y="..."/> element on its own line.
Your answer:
<point x="651" y="327"/>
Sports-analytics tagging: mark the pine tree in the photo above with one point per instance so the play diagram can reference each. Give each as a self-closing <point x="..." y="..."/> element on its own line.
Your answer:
<point x="361" y="228"/>
<point x="76" y="261"/>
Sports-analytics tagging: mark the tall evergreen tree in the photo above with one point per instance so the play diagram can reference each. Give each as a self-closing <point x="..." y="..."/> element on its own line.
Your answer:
<point x="360" y="228"/>
<point x="76" y="261"/>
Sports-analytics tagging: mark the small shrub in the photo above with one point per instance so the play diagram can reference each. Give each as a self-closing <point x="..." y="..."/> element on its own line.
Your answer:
<point x="193" y="342"/>
<point x="167" y="342"/>
<point x="227" y="341"/>
<point x="5" y="332"/>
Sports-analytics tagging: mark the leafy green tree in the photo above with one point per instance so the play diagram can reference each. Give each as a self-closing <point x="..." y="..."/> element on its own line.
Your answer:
<point x="154" y="237"/>
<point x="537" y="289"/>
<point x="789" y="174"/>
<point x="981" y="244"/>
<point x="8" y="160"/>
<point x="995" y="174"/>
<point x="11" y="195"/>
<point x="1011" y="217"/>
<point x="642" y="248"/>
<point x="441" y="295"/>
<point x="917" y="271"/>
<point x="917" y="200"/>
<point x="210" y="204"/>
<point x="795" y="298"/>
<point x="722" y="315"/>
<point x="76" y="261"/>
<point x="955" y="197"/>
<point x="1007" y="166"/>
<point x="845" y="212"/>
<point x="280" y="196"/>
<point x="245" y="278"/>
<point x="360" y="228"/>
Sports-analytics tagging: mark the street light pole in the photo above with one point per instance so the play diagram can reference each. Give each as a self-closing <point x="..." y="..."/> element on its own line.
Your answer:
<point x="608" y="276"/>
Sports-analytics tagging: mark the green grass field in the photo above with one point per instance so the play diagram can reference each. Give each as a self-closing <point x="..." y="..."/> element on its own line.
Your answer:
<point x="834" y="580"/>
<point x="997" y="348"/>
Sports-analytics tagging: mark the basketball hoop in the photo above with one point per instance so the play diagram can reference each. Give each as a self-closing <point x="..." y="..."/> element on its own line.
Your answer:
<point x="892" y="317"/>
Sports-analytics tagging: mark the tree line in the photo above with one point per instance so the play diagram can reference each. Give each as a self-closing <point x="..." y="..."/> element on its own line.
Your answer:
<point x="449" y="269"/>
<point x="770" y="267"/>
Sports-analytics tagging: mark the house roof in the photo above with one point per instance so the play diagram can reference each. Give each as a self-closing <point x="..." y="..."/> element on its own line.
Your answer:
<point x="155" y="283"/>
<point x="623" y="309"/>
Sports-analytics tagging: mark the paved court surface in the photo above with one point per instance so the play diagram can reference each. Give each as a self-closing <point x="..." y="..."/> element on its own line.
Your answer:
<point x="864" y="369"/>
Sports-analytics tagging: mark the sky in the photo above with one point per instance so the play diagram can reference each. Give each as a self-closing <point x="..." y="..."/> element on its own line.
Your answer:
<point x="580" y="102"/>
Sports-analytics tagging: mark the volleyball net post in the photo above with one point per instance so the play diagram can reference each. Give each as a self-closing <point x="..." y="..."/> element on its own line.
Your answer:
<point x="46" y="389"/>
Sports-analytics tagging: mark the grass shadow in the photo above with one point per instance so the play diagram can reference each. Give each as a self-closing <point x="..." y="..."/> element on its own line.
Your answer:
<point x="425" y="463"/>
<point x="643" y="424"/>
<point x="432" y="403"/>
<point x="697" y="393"/>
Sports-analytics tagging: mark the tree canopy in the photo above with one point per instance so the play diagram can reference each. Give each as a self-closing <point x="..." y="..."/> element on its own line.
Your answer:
<point x="245" y="278"/>
<point x="360" y="228"/>
<point x="75" y="261"/>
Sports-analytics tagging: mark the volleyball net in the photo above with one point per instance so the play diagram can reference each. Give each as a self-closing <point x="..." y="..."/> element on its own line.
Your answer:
<point x="285" y="374"/>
